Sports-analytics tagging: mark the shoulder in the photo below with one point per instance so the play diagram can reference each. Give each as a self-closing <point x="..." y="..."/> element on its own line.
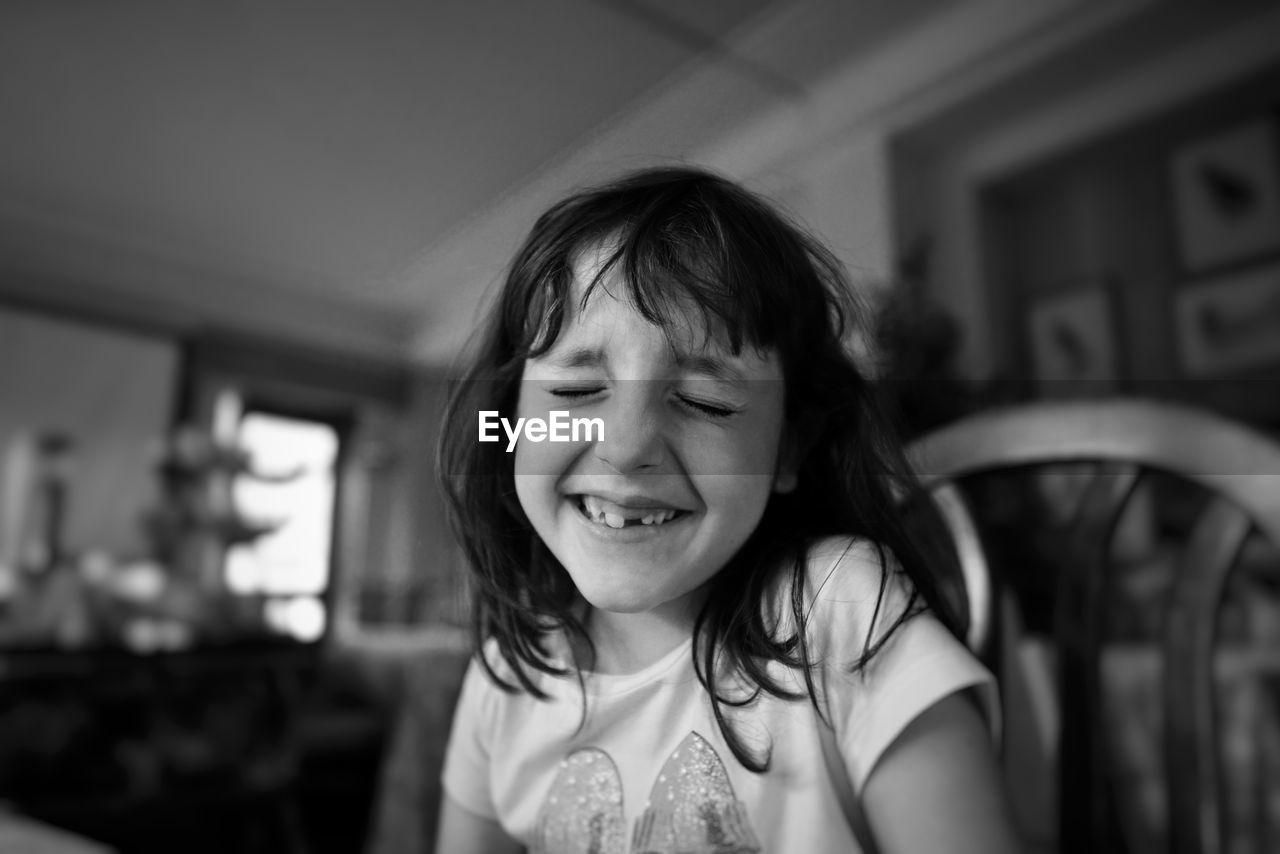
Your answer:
<point x="487" y="673"/>
<point x="492" y="675"/>
<point x="885" y="659"/>
<point x="847" y="569"/>
<point x="491" y="694"/>
<point x="851" y="586"/>
<point x="479" y="690"/>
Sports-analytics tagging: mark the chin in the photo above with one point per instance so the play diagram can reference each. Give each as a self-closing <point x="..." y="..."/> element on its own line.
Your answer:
<point x="619" y="595"/>
<point x="618" y="601"/>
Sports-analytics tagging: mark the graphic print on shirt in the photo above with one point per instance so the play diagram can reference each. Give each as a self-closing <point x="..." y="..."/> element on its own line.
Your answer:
<point x="583" y="812"/>
<point x="692" y="807"/>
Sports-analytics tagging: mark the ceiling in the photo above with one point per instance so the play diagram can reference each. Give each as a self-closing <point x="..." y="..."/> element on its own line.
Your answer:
<point x="1097" y="62"/>
<point x="300" y="165"/>
<point x="356" y="174"/>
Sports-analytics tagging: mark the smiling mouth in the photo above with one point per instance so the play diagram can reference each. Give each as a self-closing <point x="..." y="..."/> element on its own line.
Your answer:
<point x="602" y="512"/>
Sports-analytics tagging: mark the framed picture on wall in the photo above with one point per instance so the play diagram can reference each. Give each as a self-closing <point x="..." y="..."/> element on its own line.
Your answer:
<point x="1073" y="342"/>
<point x="1226" y="190"/>
<point x="1230" y="323"/>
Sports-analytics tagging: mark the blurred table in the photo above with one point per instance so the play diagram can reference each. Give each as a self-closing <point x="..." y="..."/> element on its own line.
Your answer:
<point x="193" y="751"/>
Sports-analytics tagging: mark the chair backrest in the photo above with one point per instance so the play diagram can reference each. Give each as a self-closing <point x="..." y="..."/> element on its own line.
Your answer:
<point x="1125" y="446"/>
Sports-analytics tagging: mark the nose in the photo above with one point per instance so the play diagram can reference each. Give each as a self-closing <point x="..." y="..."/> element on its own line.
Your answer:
<point x="634" y="437"/>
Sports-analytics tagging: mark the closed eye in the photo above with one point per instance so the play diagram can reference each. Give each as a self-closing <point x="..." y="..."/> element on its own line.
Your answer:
<point x="707" y="408"/>
<point x="576" y="392"/>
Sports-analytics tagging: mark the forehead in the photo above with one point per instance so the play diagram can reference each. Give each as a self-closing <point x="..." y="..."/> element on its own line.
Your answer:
<point x="603" y="325"/>
<point x="600" y="297"/>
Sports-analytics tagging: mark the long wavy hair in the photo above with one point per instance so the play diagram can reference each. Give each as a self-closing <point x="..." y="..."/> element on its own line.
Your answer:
<point x="679" y="237"/>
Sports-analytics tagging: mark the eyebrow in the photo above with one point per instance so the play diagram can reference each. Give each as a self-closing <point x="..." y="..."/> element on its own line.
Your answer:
<point x="579" y="357"/>
<point x="712" y="367"/>
<point x="594" y="357"/>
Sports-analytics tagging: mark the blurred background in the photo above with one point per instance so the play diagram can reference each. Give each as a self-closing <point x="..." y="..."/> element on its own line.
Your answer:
<point x="241" y="243"/>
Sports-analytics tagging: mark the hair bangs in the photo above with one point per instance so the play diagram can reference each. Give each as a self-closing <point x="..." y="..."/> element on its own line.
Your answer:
<point x="680" y="264"/>
<point x="543" y="313"/>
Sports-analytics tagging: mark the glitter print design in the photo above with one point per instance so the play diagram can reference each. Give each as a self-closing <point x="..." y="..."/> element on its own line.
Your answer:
<point x="692" y="807"/>
<point x="583" y="813"/>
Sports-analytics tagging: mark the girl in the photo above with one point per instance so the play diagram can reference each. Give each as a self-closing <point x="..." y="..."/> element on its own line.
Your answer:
<point x="702" y="626"/>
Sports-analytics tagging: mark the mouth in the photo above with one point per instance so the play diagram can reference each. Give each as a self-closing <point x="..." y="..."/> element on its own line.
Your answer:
<point x="602" y="512"/>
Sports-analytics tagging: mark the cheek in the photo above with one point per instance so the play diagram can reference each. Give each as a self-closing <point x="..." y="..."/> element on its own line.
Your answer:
<point x="747" y="475"/>
<point x="535" y="482"/>
<point x="544" y="461"/>
<point x="529" y="488"/>
<point x="751" y="450"/>
<point x="738" y="500"/>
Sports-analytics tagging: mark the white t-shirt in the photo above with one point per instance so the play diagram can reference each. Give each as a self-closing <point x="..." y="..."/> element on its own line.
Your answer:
<point x="648" y="771"/>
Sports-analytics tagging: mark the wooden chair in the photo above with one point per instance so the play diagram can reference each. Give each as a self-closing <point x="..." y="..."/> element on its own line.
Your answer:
<point x="1225" y="483"/>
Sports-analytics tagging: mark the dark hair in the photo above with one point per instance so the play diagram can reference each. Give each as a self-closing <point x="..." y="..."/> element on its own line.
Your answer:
<point x="679" y="236"/>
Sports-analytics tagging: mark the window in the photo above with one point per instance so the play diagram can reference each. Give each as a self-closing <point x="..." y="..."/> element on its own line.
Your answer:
<point x="365" y="526"/>
<point x="291" y="487"/>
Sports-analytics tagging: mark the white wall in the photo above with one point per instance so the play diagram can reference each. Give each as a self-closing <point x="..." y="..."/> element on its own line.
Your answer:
<point x="112" y="394"/>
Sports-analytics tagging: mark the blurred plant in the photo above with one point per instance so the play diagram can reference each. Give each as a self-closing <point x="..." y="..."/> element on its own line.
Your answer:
<point x="170" y="599"/>
<point x="918" y="343"/>
<point x="198" y="518"/>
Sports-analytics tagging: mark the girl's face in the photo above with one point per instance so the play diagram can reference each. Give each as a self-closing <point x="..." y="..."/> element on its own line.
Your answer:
<point x="644" y="516"/>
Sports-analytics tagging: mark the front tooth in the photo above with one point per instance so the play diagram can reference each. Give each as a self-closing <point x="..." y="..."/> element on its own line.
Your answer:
<point x="613" y="520"/>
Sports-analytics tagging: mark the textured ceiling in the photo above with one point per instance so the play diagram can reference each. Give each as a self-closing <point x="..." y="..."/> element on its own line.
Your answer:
<point x="309" y="157"/>
<point x="314" y="143"/>
<point x="356" y="173"/>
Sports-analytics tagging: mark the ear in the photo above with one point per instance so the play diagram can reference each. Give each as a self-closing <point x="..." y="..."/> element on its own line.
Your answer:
<point x="786" y="474"/>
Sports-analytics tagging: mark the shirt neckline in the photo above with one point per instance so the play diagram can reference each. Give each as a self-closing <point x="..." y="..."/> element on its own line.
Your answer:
<point x="601" y="684"/>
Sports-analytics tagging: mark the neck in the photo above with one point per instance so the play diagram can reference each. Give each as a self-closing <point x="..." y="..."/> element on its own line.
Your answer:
<point x="628" y="643"/>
